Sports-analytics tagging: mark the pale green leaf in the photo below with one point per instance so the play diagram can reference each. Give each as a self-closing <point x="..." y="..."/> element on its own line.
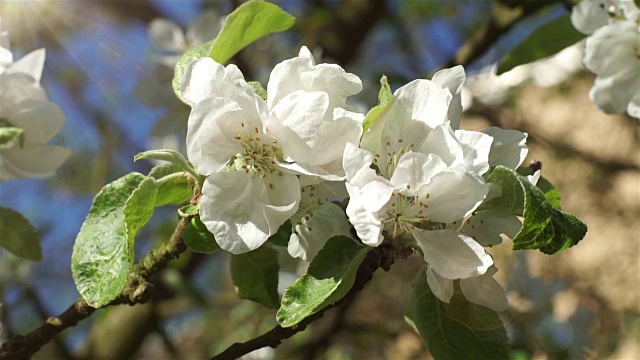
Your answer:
<point x="248" y="23"/>
<point x="329" y="277"/>
<point x="18" y="235"/>
<point x="545" y="41"/>
<point x="255" y="276"/>
<point x="9" y="136"/>
<point x="458" y="330"/>
<point x="385" y="97"/>
<point x="172" y="157"/>
<point x="103" y="251"/>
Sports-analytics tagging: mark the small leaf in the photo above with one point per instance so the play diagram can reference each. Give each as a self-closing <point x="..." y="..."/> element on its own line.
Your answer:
<point x="330" y="276"/>
<point x="171" y="156"/>
<point x="545" y="228"/>
<point x="174" y="185"/>
<point x="512" y="199"/>
<point x="258" y="89"/>
<point x="18" y="235"/>
<point x="248" y="23"/>
<point x="385" y="96"/>
<point x="545" y="41"/>
<point x="189" y="210"/>
<point x="255" y="276"/>
<point x="198" y="238"/>
<point x="9" y="136"/>
<point x="458" y="330"/>
<point x="282" y="236"/>
<point x="103" y="251"/>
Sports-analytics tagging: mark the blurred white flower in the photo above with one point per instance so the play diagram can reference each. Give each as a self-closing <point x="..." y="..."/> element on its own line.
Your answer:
<point x="25" y="108"/>
<point x="612" y="52"/>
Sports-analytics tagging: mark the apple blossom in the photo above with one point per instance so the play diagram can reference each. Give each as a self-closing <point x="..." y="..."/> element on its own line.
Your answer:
<point x="25" y="107"/>
<point x="252" y="150"/>
<point x="612" y="52"/>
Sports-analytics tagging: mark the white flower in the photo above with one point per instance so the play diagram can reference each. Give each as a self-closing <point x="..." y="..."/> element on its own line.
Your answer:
<point x="427" y="176"/>
<point x="251" y="149"/>
<point x="308" y="108"/>
<point x="612" y="52"/>
<point x="247" y="195"/>
<point x="25" y="106"/>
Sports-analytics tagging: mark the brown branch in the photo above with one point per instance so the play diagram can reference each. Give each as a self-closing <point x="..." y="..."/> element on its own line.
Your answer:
<point x="503" y="17"/>
<point x="137" y="291"/>
<point x="380" y="257"/>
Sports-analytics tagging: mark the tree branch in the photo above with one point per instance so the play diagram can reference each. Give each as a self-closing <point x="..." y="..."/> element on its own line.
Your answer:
<point x="137" y="291"/>
<point x="380" y="257"/>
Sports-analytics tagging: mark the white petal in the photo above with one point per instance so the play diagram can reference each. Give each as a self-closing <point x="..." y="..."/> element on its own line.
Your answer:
<point x="368" y="226"/>
<point x="485" y="290"/>
<point x="452" y="79"/>
<point x="309" y="236"/>
<point x="242" y="211"/>
<point x="442" y="142"/>
<point x="31" y="64"/>
<point x="40" y="120"/>
<point x="588" y="16"/>
<point x="375" y="195"/>
<point x="333" y="172"/>
<point x="441" y="287"/>
<point x="416" y="169"/>
<point x="486" y="226"/>
<point x="206" y="78"/>
<point x="167" y="35"/>
<point x="475" y="149"/>
<point x="32" y="161"/>
<point x="453" y="255"/>
<point x="453" y="195"/>
<point x="355" y="160"/>
<point x="509" y="147"/>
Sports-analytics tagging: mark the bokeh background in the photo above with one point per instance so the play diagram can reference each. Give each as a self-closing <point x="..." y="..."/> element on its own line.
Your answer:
<point x="113" y="83"/>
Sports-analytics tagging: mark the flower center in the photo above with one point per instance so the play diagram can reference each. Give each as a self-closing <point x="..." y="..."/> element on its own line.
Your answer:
<point x="405" y="211"/>
<point x="258" y="157"/>
<point x="388" y="161"/>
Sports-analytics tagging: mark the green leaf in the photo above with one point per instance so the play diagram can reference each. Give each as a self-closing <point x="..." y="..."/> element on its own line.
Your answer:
<point x="18" y="235"/>
<point x="550" y="192"/>
<point x="171" y="156"/>
<point x="103" y="251"/>
<point x="330" y="276"/>
<point x="545" y="41"/>
<point x="282" y="236"/>
<point x="255" y="276"/>
<point x="174" y="184"/>
<point x="258" y="89"/>
<point x="189" y="210"/>
<point x="385" y="96"/>
<point x="512" y="199"/>
<point x="198" y="238"/>
<point x="458" y="330"/>
<point x="190" y="55"/>
<point x="248" y="23"/>
<point x="9" y="136"/>
<point x="545" y="228"/>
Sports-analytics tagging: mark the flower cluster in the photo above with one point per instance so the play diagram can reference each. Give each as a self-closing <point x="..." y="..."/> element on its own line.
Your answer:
<point x="413" y="177"/>
<point x="612" y="52"/>
<point x="27" y="112"/>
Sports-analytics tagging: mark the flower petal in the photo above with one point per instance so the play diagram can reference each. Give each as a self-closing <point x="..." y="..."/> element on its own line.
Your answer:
<point x="414" y="170"/>
<point x="441" y="287"/>
<point x="30" y="64"/>
<point x="40" y="120"/>
<point x="167" y="35"/>
<point x="486" y="226"/>
<point x="243" y="212"/>
<point x="204" y="78"/>
<point x="32" y="161"/>
<point x="475" y="150"/>
<point x="452" y="79"/>
<point x="451" y="254"/>
<point x="368" y="226"/>
<point x="453" y="195"/>
<point x="508" y="148"/>
<point x="485" y="290"/>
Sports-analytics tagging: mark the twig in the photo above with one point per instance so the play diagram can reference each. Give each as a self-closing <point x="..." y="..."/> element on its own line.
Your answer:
<point x="379" y="257"/>
<point x="137" y="291"/>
